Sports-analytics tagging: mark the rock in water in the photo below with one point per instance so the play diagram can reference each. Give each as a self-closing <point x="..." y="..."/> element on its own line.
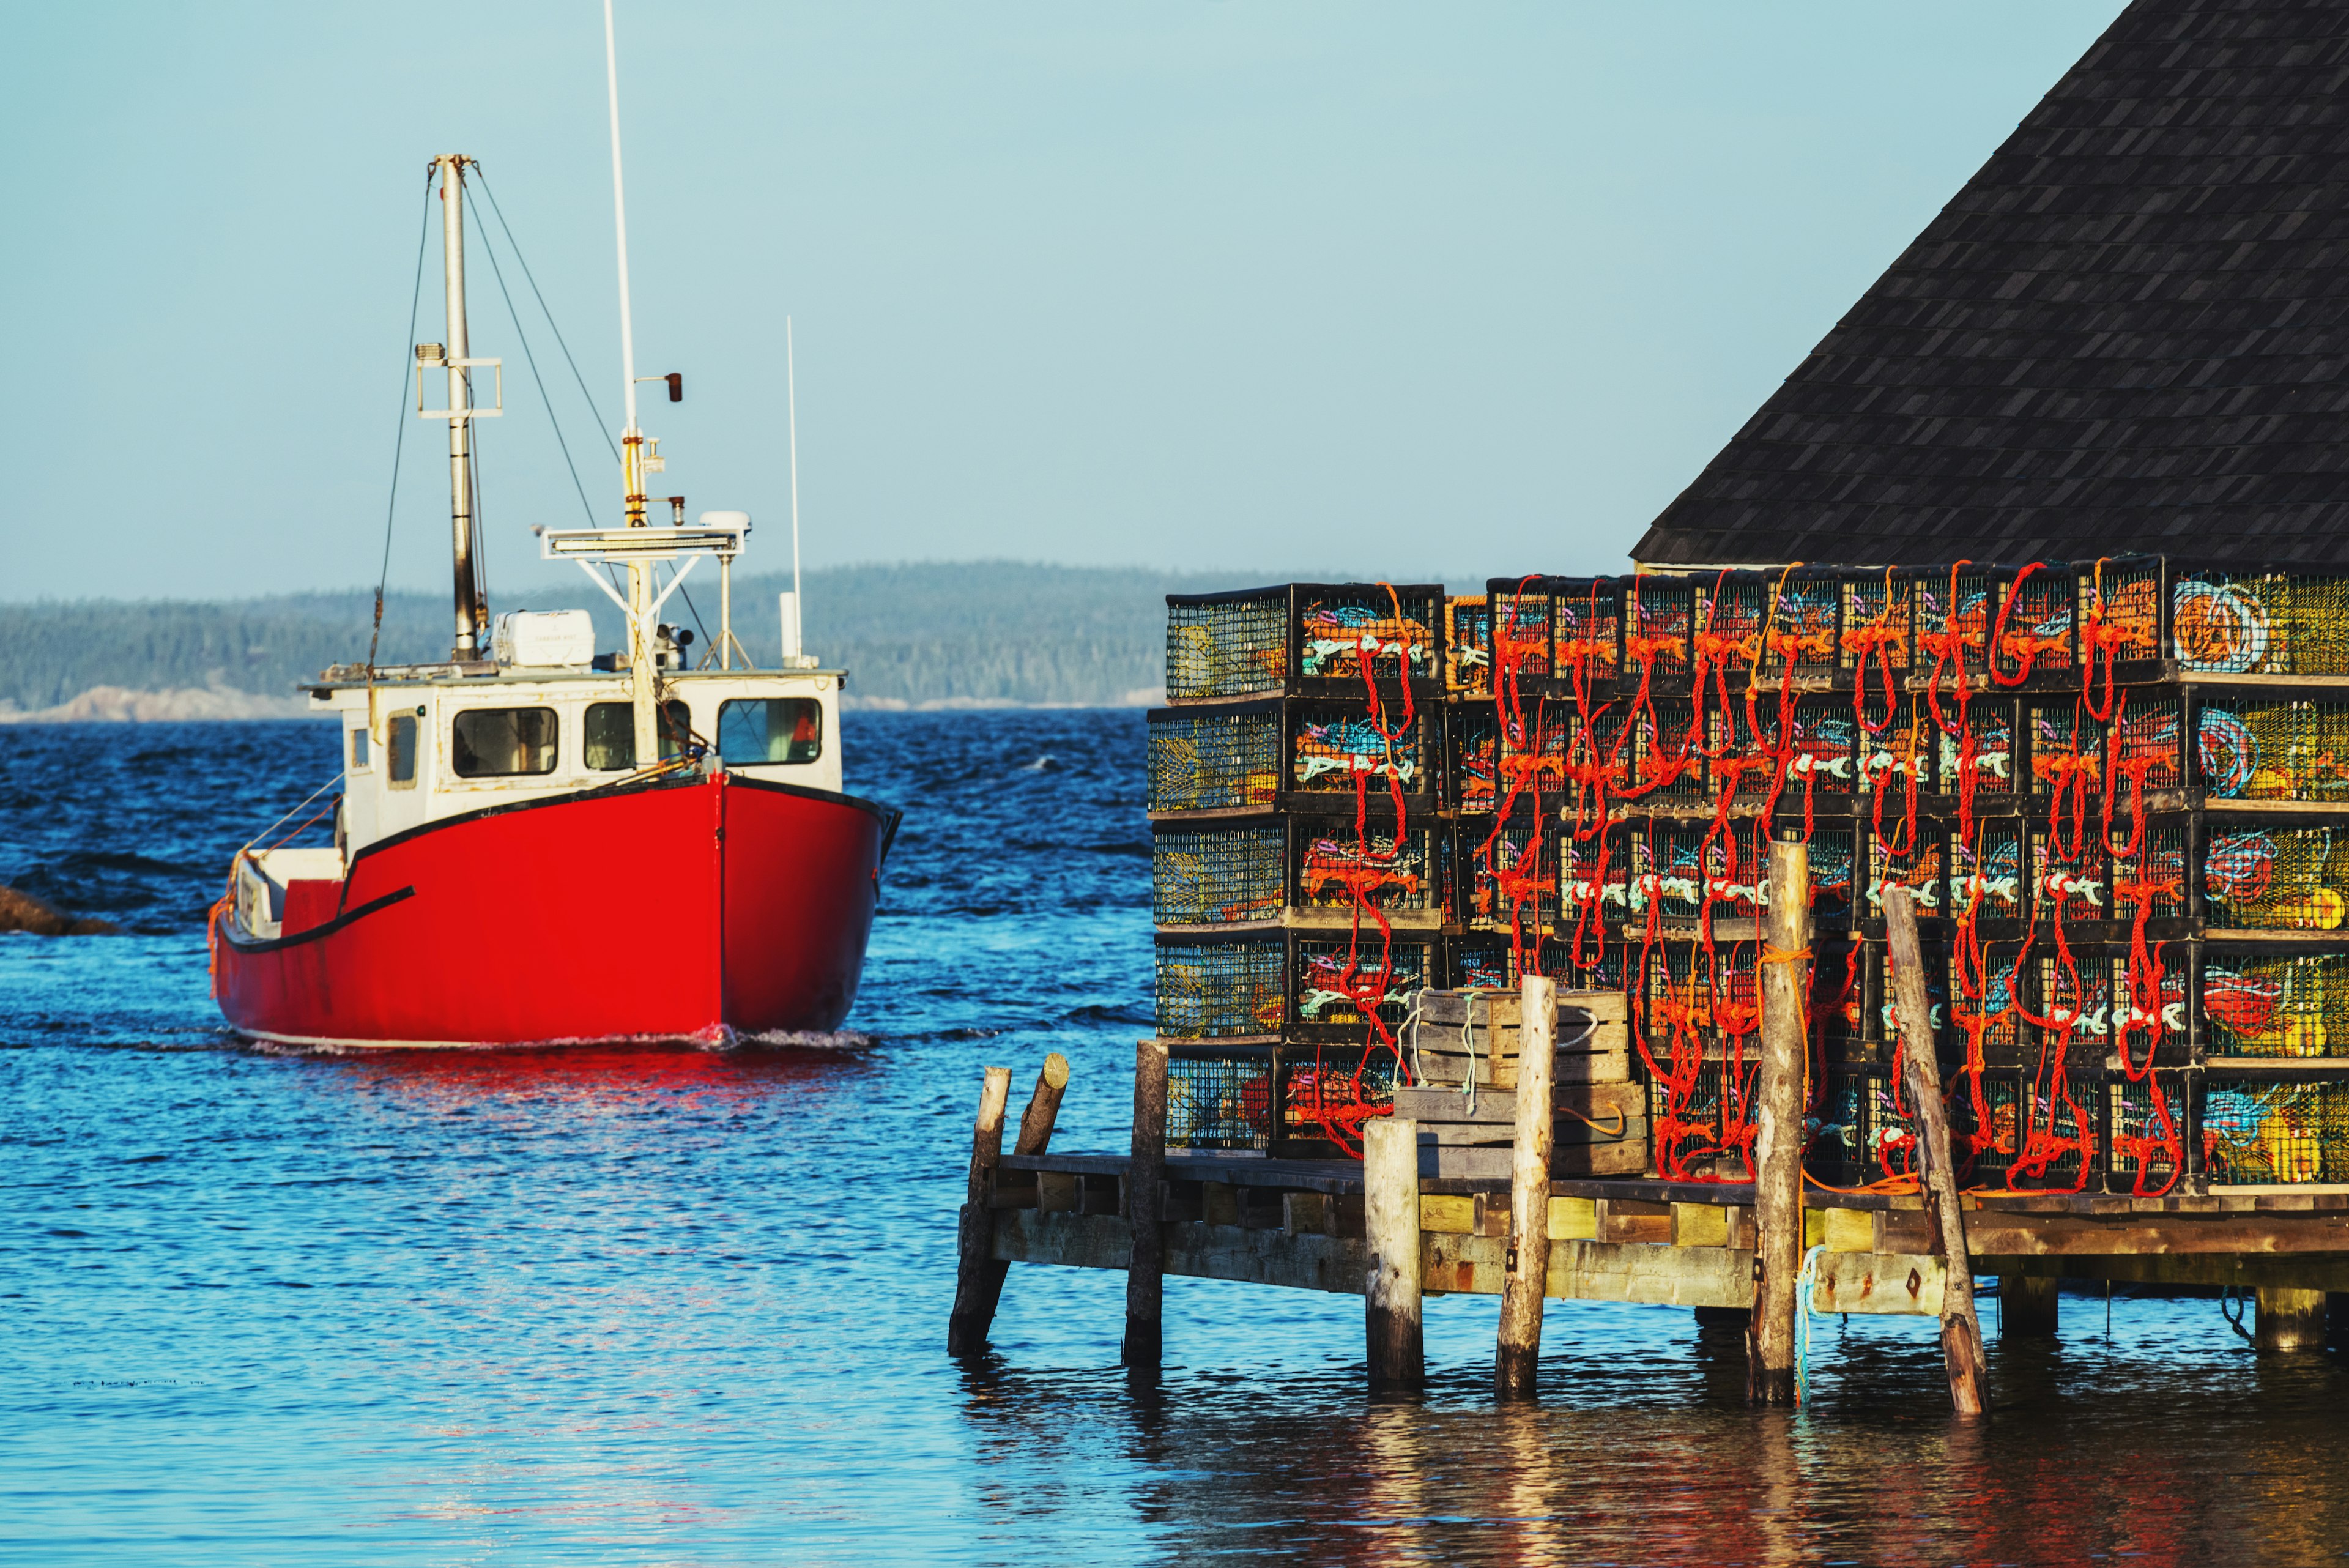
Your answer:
<point x="23" y="912"/>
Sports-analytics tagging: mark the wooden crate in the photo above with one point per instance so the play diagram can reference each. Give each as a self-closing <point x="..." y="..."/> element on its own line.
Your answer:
<point x="1594" y="1043"/>
<point x="1600" y="1130"/>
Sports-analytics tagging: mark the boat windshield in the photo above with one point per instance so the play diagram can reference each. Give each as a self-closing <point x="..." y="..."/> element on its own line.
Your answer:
<point x="612" y="734"/>
<point x="770" y="730"/>
<point x="500" y="742"/>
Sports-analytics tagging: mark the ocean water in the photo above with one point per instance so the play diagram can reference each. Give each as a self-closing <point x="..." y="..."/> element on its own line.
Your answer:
<point x="690" y="1307"/>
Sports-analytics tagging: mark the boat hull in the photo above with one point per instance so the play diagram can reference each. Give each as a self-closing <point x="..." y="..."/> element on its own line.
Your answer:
<point x="705" y="910"/>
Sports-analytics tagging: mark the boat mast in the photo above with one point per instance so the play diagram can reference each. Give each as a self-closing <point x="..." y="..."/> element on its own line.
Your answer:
<point x="632" y="442"/>
<point x="460" y="410"/>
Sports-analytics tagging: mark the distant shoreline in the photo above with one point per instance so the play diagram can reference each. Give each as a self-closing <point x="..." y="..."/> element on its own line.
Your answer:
<point x="119" y="705"/>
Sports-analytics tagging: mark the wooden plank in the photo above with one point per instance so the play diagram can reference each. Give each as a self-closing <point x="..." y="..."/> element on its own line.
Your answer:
<point x="1498" y="1108"/>
<point x="1573" y="1219"/>
<point x="1490" y="1162"/>
<point x="1628" y="1129"/>
<point x="1455" y="1215"/>
<point x="1845" y="1230"/>
<point x="1580" y="1270"/>
<point x="1059" y="1192"/>
<point x="1700" y="1225"/>
<point x="1904" y="1282"/>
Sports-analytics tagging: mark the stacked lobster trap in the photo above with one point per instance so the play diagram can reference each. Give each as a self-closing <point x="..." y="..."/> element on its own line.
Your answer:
<point x="2118" y="792"/>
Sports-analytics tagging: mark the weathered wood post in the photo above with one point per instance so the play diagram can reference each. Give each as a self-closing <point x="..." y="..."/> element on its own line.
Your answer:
<point x="2027" y="1307"/>
<point x="1945" y="1218"/>
<point x="975" y="1234"/>
<point x="1397" y="1352"/>
<point x="2287" y="1319"/>
<point x="1778" y="1126"/>
<point x="1518" y="1351"/>
<point x="1145" y="1175"/>
<point x="978" y="1296"/>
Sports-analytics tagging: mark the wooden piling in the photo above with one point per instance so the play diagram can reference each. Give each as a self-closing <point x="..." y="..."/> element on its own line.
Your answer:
<point x="978" y="1293"/>
<point x="2288" y="1319"/>
<point x="1778" y="1123"/>
<point x="1518" y="1353"/>
<point x="974" y="1234"/>
<point x="1146" y="1209"/>
<point x="1945" y="1219"/>
<point x="1396" y="1350"/>
<point x="2027" y="1307"/>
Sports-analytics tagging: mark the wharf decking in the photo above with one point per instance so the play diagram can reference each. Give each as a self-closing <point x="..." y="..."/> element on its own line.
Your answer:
<point x="1300" y="1224"/>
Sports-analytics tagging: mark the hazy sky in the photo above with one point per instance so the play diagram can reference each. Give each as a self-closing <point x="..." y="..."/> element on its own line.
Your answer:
<point x="1267" y="285"/>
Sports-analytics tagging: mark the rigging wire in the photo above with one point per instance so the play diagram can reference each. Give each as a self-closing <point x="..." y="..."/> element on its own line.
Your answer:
<point x="528" y="277"/>
<point x="532" y="360"/>
<point x="523" y="262"/>
<point x="399" y="439"/>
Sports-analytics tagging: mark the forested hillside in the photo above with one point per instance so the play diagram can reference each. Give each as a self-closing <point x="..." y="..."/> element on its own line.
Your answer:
<point x="989" y="631"/>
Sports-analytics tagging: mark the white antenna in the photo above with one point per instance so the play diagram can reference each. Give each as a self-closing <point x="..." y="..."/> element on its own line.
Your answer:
<point x="792" y="403"/>
<point x="620" y="220"/>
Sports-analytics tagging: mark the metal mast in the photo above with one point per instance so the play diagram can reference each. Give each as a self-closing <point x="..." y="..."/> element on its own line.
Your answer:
<point x="460" y="410"/>
<point x="632" y="442"/>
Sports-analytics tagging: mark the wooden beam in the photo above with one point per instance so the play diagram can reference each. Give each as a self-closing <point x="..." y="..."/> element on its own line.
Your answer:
<point x="2288" y="1319"/>
<point x="1461" y="1264"/>
<point x="974" y="1308"/>
<point x="1396" y="1350"/>
<point x="1961" y="1347"/>
<point x="2027" y="1307"/>
<point x="1778" y="1137"/>
<point x="1145" y="1191"/>
<point x="975" y="1311"/>
<point x="1517" y="1349"/>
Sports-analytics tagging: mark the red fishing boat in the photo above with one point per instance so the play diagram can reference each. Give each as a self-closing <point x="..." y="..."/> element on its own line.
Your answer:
<point x="534" y="843"/>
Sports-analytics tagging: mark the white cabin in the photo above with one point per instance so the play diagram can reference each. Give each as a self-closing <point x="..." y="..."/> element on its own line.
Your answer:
<point x="440" y="748"/>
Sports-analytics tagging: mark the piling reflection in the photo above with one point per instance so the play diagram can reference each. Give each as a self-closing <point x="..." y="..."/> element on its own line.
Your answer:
<point x="1643" y="1449"/>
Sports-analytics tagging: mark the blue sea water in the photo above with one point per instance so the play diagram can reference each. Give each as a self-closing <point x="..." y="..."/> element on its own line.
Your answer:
<point x="690" y="1307"/>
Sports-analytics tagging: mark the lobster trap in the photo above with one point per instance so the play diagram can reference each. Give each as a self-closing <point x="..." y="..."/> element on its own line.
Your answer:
<point x="1511" y="875"/>
<point x="2267" y="1133"/>
<point x="2148" y="1139"/>
<point x="2253" y="748"/>
<point x="2281" y="623"/>
<point x="1327" y="1094"/>
<point x="1701" y="1121"/>
<point x="1468" y="646"/>
<point x="1343" y="750"/>
<point x="1979" y="752"/>
<point x="1917" y="860"/>
<point x="1302" y="638"/>
<point x="1221" y="1101"/>
<point x="1298" y="869"/>
<point x="1586" y="633"/>
<point x="1859" y="1129"/>
<point x="1211" y="989"/>
<point x="1217" y="761"/>
<point x="1659" y="614"/>
<point x="1339" y="983"/>
<point x="1987" y="874"/>
<point x="2291" y="1006"/>
<point x="1805" y="746"/>
<point x="2273" y="878"/>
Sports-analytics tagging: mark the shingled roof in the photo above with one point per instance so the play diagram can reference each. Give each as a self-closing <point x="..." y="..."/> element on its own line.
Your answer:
<point x="2128" y="333"/>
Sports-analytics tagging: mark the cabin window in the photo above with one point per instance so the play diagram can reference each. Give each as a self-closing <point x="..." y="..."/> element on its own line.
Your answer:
<point x="770" y="730"/>
<point x="612" y="734"/>
<point x="358" y="751"/>
<point x="403" y="751"/>
<point x="501" y="743"/>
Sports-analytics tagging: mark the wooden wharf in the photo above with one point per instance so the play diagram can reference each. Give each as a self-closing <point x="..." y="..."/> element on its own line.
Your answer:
<point x="1392" y="1230"/>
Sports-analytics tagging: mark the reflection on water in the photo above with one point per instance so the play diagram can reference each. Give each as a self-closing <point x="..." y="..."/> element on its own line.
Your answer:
<point x="669" y="1306"/>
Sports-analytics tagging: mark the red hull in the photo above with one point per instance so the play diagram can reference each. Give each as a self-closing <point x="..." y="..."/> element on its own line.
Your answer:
<point x="701" y="910"/>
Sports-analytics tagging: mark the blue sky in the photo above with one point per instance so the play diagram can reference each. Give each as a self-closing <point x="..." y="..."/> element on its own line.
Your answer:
<point x="1270" y="287"/>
